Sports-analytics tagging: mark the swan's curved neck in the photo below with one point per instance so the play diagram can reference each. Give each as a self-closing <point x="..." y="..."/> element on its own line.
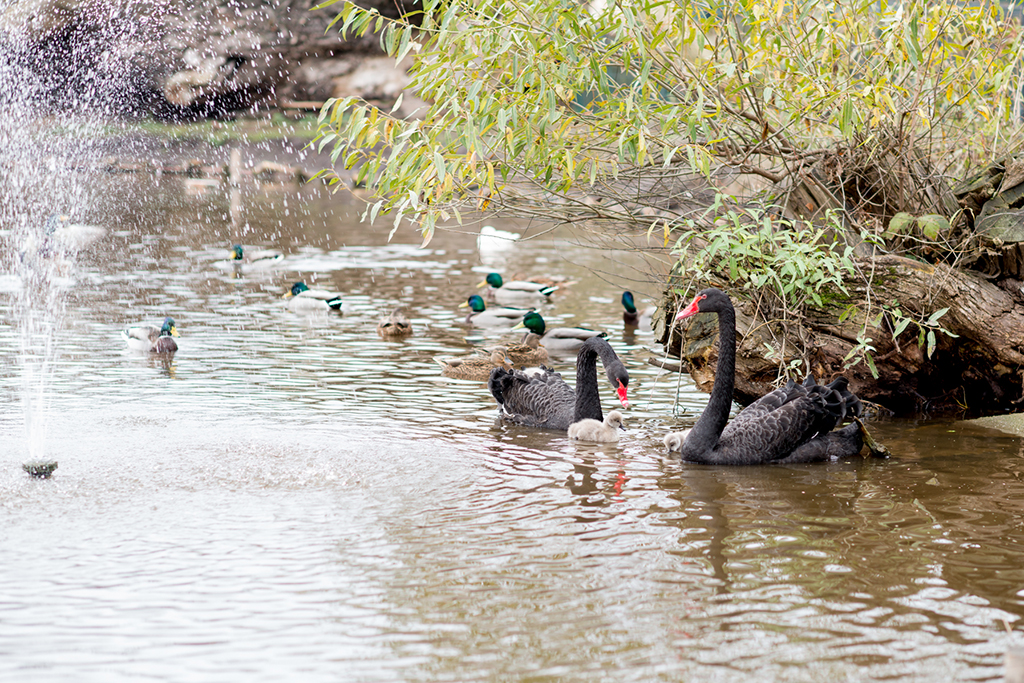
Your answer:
<point x="704" y="435"/>
<point x="588" y="399"/>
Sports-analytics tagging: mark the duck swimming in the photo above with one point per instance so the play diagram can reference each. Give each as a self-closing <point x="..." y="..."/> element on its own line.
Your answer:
<point x="516" y="291"/>
<point x="152" y="339"/>
<point x="482" y="316"/>
<point x="253" y="259"/>
<point x="476" y="368"/>
<point x="557" y="339"/>
<point x="302" y="299"/>
<point x="634" y="318"/>
<point x="528" y="353"/>
<point x="394" y="325"/>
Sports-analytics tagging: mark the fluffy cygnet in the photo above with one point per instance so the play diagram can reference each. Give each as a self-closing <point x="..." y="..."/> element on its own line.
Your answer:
<point x="674" y="440"/>
<point x="592" y="430"/>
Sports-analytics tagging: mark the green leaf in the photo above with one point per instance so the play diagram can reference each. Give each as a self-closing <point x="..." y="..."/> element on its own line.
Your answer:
<point x="932" y="225"/>
<point x="439" y="165"/>
<point x="846" y="119"/>
<point x="870" y="362"/>
<point x="900" y="224"/>
<point x="936" y="316"/>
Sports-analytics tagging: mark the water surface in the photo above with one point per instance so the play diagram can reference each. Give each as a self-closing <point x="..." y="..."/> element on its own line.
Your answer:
<point x="293" y="496"/>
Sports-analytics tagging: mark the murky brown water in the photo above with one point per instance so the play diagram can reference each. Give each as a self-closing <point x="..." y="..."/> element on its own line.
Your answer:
<point x="295" y="498"/>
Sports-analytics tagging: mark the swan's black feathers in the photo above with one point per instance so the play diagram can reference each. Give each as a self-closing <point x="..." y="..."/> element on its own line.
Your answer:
<point x="778" y="424"/>
<point x="543" y="399"/>
<point x="793" y="424"/>
<point x="841" y="443"/>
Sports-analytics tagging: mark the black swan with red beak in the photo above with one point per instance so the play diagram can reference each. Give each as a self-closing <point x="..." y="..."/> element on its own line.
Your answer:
<point x="541" y="398"/>
<point x="793" y="424"/>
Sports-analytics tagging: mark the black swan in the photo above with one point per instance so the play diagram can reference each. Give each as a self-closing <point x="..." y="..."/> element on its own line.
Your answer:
<point x="789" y="425"/>
<point x="595" y="430"/>
<point x="542" y="398"/>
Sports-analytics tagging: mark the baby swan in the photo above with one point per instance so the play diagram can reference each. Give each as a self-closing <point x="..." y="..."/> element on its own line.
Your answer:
<point x="674" y="441"/>
<point x="592" y="430"/>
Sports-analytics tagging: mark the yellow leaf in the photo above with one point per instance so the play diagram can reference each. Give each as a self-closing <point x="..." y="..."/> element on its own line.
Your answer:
<point x="924" y="117"/>
<point x="888" y="101"/>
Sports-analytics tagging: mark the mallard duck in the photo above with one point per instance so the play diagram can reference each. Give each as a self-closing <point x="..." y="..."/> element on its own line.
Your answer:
<point x="150" y="338"/>
<point x="557" y="339"/>
<point x="306" y="300"/>
<point x="559" y="282"/>
<point x="72" y="235"/>
<point x="527" y="353"/>
<point x="59" y="239"/>
<point x="516" y="291"/>
<point x="595" y="430"/>
<point x="394" y="325"/>
<point x="476" y="368"/>
<point x="253" y="259"/>
<point x="482" y="316"/>
<point x="633" y="318"/>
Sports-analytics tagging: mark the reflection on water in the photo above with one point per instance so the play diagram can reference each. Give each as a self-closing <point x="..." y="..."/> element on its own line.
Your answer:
<point x="294" y="496"/>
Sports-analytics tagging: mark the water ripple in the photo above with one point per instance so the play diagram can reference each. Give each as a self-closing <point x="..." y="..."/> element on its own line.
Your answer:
<point x="291" y="496"/>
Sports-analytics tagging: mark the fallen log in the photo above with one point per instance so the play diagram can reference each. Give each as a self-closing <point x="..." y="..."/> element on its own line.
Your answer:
<point x="980" y="371"/>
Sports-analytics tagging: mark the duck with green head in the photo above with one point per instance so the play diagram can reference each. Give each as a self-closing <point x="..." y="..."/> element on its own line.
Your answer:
<point x="302" y="299"/>
<point x="253" y="259"/>
<point x="482" y="316"/>
<point x="634" y="318"/>
<point x="152" y="339"/>
<point x="557" y="339"/>
<point x="516" y="291"/>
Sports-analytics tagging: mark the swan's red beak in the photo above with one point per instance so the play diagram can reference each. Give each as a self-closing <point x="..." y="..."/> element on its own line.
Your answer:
<point x="621" y="391"/>
<point x="692" y="308"/>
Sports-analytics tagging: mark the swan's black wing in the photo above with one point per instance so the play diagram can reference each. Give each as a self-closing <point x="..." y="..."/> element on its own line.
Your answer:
<point x="794" y="424"/>
<point x="768" y="403"/>
<point x="774" y="435"/>
<point x="842" y="443"/>
<point x="536" y="398"/>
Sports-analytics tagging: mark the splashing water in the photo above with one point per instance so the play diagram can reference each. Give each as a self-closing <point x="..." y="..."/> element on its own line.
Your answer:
<point x="41" y="260"/>
<point x="46" y="137"/>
